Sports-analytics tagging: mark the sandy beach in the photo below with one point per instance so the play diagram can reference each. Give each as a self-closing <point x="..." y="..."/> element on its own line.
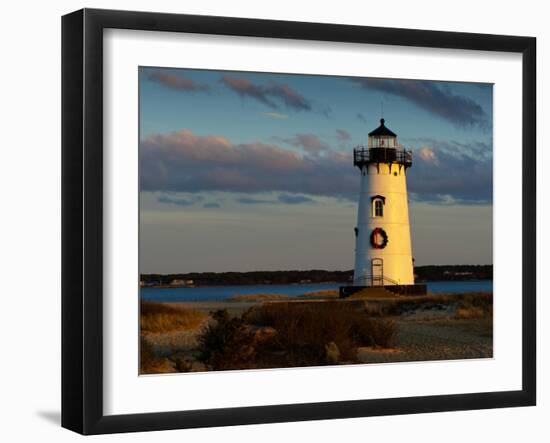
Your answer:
<point x="424" y="328"/>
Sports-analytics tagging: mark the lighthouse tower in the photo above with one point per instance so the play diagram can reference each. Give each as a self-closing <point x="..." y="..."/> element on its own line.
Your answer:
<point x="383" y="255"/>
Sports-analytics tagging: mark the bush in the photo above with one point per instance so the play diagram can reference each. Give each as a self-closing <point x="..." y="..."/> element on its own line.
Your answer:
<point x="226" y="344"/>
<point x="283" y="334"/>
<point x="304" y="330"/>
<point x="378" y="332"/>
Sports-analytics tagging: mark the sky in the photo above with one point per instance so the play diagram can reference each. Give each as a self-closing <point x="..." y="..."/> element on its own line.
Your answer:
<point x="243" y="171"/>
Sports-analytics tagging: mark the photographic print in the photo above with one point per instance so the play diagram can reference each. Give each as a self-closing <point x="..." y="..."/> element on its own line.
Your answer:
<point x="293" y="220"/>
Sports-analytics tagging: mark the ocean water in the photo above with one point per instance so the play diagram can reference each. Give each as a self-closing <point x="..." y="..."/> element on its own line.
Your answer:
<point x="218" y="293"/>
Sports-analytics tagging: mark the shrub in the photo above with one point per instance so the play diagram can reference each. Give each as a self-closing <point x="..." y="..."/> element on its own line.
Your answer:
<point x="378" y="332"/>
<point x="304" y="330"/>
<point x="182" y="365"/>
<point x="226" y="344"/>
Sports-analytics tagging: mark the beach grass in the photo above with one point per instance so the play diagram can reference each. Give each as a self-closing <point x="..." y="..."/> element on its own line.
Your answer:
<point x="305" y="330"/>
<point x="257" y="297"/>
<point x="327" y="293"/>
<point x="162" y="317"/>
<point x="468" y="305"/>
<point x="291" y="334"/>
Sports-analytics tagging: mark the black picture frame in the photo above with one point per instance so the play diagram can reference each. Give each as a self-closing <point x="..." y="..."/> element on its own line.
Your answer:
<point x="82" y="218"/>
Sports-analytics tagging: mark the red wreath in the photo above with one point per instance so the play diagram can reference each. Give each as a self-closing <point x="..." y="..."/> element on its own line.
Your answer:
<point x="378" y="238"/>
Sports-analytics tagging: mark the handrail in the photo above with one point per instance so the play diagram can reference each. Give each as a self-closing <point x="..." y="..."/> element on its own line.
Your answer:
<point x="378" y="278"/>
<point x="363" y="155"/>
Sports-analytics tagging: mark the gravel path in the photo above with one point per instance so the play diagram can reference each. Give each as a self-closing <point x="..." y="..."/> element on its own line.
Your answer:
<point x="435" y="340"/>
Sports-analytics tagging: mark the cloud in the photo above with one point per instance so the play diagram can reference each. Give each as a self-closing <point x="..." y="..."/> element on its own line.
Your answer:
<point x="361" y="118"/>
<point x="186" y="162"/>
<point x="289" y="199"/>
<point x="342" y="135"/>
<point x="293" y="199"/>
<point x="452" y="172"/>
<point x="275" y="115"/>
<point x="325" y="111"/>
<point x="288" y="96"/>
<point x="310" y="143"/>
<point x="460" y="110"/>
<point x="211" y="205"/>
<point x="178" y="82"/>
<point x="253" y="201"/>
<point x="245" y="88"/>
<point x="271" y="95"/>
<point x="428" y="155"/>
<point x="178" y="201"/>
<point x="481" y="151"/>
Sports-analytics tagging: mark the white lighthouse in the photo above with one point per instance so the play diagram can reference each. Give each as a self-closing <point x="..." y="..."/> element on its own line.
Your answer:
<point x="383" y="255"/>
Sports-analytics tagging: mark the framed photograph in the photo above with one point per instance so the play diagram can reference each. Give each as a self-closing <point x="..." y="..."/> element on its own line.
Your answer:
<point x="269" y="221"/>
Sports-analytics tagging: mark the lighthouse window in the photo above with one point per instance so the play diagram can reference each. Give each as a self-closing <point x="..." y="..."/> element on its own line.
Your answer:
<point x="378" y="208"/>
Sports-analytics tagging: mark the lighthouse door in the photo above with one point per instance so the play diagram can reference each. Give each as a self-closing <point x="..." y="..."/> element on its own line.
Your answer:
<point x="377" y="272"/>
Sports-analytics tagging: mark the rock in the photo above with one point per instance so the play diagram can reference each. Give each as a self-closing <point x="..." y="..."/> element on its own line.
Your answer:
<point x="332" y="352"/>
<point x="263" y="334"/>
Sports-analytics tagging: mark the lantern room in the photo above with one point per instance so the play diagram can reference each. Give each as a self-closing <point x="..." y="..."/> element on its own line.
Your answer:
<point x="382" y="137"/>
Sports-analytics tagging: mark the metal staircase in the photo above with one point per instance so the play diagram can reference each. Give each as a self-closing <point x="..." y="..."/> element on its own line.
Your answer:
<point x="377" y="280"/>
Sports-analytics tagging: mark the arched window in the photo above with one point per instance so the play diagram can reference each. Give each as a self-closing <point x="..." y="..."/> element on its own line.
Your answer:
<point x="377" y="207"/>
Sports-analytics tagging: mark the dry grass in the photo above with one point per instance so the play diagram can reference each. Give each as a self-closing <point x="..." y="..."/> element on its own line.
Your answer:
<point x="304" y="329"/>
<point x="150" y="363"/>
<point x="258" y="297"/>
<point x="291" y="334"/>
<point x="327" y="293"/>
<point x="475" y="305"/>
<point x="301" y="331"/>
<point x="162" y="318"/>
<point x="470" y="312"/>
<point x="469" y="305"/>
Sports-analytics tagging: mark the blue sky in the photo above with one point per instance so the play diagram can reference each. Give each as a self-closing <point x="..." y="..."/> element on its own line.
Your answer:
<point x="247" y="171"/>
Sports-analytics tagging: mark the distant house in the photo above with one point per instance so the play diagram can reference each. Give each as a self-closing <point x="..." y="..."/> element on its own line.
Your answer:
<point x="180" y="282"/>
<point x="144" y="284"/>
<point x="177" y="282"/>
<point x="458" y="273"/>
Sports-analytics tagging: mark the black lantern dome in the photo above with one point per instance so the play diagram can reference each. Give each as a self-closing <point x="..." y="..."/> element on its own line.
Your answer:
<point x="382" y="131"/>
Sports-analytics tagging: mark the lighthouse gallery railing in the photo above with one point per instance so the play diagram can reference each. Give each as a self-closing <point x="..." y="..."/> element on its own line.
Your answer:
<point x="363" y="155"/>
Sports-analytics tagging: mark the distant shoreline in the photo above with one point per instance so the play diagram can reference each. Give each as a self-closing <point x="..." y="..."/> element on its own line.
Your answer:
<point x="249" y="284"/>
<point x="293" y="284"/>
<point x="423" y="274"/>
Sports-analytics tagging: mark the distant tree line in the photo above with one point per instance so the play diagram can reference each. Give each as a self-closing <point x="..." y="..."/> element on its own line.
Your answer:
<point x="453" y="272"/>
<point x="422" y="273"/>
